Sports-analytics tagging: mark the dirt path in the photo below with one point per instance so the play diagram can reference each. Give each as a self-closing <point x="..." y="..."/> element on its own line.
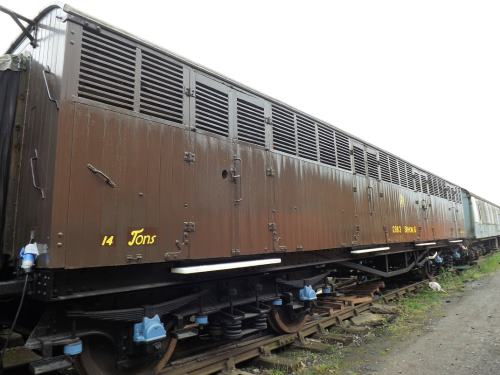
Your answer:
<point x="465" y="341"/>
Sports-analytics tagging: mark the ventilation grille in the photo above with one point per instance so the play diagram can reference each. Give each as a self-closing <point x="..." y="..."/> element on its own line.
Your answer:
<point x="343" y="154"/>
<point x="432" y="185"/>
<point x="385" y="170"/>
<point x="372" y="162"/>
<point x="425" y="183"/>
<point x="403" y="176"/>
<point x="107" y="70"/>
<point x="442" y="192"/>
<point x="251" y="123"/>
<point x="359" y="160"/>
<point x="393" y="162"/>
<point x="283" y="130"/>
<point x="447" y="192"/>
<point x="454" y="194"/>
<point x="212" y="112"/>
<point x="306" y="133"/>
<point x="327" y="145"/>
<point x="161" y="88"/>
<point x="409" y="176"/>
<point x="418" y="183"/>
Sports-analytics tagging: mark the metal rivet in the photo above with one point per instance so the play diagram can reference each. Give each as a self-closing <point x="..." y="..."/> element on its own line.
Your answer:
<point x="141" y="194"/>
<point x="59" y="244"/>
<point x="60" y="234"/>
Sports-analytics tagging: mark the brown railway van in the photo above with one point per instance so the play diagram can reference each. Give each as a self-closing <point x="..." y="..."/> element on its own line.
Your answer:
<point x="131" y="155"/>
<point x="148" y="202"/>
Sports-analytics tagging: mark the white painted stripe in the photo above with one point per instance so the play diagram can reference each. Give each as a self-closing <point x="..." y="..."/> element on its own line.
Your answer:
<point x="372" y="250"/>
<point x="225" y="266"/>
<point x="455" y="241"/>
<point x="425" y="244"/>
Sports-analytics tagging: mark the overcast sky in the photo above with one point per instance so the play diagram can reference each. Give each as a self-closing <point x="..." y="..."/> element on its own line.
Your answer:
<point x="420" y="79"/>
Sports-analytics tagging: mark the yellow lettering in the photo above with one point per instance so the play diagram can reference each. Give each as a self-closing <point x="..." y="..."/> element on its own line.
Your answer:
<point x="135" y="237"/>
<point x="107" y="241"/>
<point x="396" y="229"/>
<point x="138" y="238"/>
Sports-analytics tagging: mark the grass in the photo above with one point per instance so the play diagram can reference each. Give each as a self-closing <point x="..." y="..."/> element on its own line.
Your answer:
<point x="417" y="307"/>
<point x="415" y="311"/>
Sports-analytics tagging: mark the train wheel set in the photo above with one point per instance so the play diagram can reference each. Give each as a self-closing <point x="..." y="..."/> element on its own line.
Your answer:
<point x="152" y="208"/>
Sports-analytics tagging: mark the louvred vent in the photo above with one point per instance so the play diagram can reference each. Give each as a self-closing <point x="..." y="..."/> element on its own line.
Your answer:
<point x="433" y="185"/>
<point x="283" y="130"/>
<point x="403" y="176"/>
<point x="385" y="170"/>
<point x="343" y="153"/>
<point x="359" y="160"/>
<point x="372" y="161"/>
<point x="107" y="70"/>
<point x="441" y="186"/>
<point x="251" y="123"/>
<point x="161" y="88"/>
<point x="409" y="177"/>
<point x="393" y="162"/>
<point x="425" y="183"/>
<point x="212" y="113"/>
<point x="306" y="132"/>
<point x="418" y="183"/>
<point x="327" y="145"/>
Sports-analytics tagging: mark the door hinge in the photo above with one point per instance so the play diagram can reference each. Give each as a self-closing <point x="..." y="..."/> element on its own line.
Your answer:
<point x="269" y="172"/>
<point x="189" y="157"/>
<point x="268" y="121"/>
<point x="271" y="226"/>
<point x="189" y="226"/>
<point x="190" y="92"/>
<point x="235" y="251"/>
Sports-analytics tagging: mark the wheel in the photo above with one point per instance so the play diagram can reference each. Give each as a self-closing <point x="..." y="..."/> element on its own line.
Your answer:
<point x="285" y="320"/>
<point x="99" y="358"/>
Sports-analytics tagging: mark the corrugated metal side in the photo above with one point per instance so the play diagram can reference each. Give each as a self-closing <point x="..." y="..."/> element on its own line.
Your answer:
<point x="34" y="212"/>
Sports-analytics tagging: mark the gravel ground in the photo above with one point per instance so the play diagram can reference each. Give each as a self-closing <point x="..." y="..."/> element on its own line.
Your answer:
<point x="465" y="341"/>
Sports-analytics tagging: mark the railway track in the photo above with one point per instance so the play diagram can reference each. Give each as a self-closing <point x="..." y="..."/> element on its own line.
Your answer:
<point x="225" y="358"/>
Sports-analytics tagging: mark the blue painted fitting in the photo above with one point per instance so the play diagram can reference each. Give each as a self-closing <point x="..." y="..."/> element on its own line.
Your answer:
<point x="28" y="255"/>
<point x="438" y="260"/>
<point x="201" y="320"/>
<point x="74" y="348"/>
<point x="278" y="302"/>
<point x="307" y="293"/>
<point x="149" y="330"/>
<point x="456" y="255"/>
<point x="327" y="290"/>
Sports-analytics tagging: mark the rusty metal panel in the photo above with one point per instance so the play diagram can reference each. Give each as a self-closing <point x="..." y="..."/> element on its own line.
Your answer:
<point x="325" y="207"/>
<point x="143" y="213"/>
<point x="252" y="200"/>
<point x="286" y="199"/>
<point x="212" y="199"/>
<point x="369" y="227"/>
